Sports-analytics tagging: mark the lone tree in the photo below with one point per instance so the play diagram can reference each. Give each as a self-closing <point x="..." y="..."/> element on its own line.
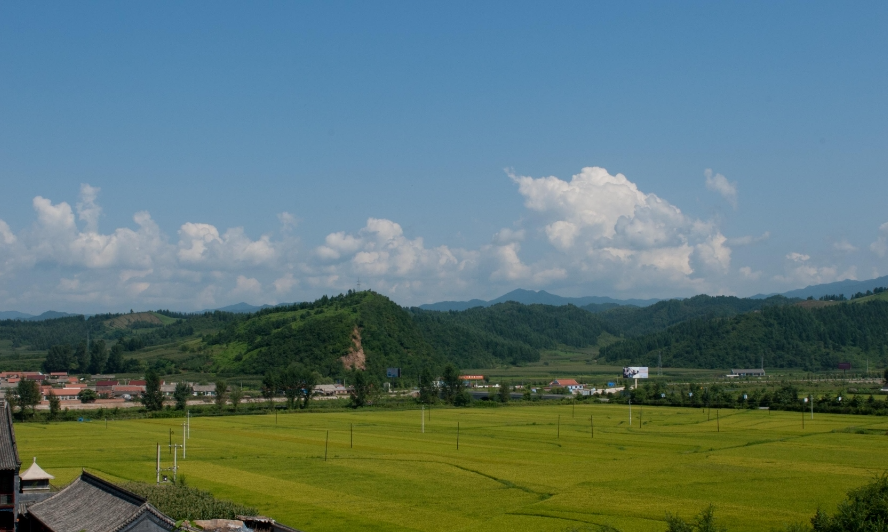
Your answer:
<point x="152" y="397"/>
<point x="298" y="383"/>
<point x="362" y="387"/>
<point x="269" y="388"/>
<point x="428" y="388"/>
<point x="221" y="394"/>
<point x="11" y="396"/>
<point x="28" y="394"/>
<point x="452" y="385"/>
<point x="236" y="395"/>
<point x="181" y="394"/>
<point x="504" y="392"/>
<point x="55" y="406"/>
<point x="87" y="396"/>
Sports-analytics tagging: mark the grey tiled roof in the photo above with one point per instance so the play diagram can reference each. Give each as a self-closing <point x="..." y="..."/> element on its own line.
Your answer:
<point x="90" y="503"/>
<point x="9" y="457"/>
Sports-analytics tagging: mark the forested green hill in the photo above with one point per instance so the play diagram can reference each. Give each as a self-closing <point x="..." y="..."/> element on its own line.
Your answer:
<point x="635" y="321"/>
<point x="367" y="328"/>
<point x="787" y="336"/>
<point x="327" y="335"/>
<point x="507" y="332"/>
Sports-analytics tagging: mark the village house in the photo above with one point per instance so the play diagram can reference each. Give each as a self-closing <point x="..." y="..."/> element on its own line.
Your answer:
<point x="570" y="385"/>
<point x="207" y="390"/>
<point x="64" y="394"/>
<point x="106" y="386"/>
<point x="127" y="390"/>
<point x="331" y="390"/>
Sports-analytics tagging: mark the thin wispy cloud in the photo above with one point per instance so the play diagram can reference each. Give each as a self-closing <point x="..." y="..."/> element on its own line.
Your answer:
<point x="720" y="184"/>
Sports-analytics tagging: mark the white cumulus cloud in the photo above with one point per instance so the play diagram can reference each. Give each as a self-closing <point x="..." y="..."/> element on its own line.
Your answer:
<point x="607" y="228"/>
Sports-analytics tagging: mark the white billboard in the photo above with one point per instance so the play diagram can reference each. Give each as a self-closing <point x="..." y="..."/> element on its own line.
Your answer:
<point x="635" y="372"/>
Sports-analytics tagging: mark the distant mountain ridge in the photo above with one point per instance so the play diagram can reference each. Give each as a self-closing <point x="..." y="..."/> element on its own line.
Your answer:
<point x="847" y="287"/>
<point x="241" y="308"/>
<point x="534" y="297"/>
<point x="48" y="315"/>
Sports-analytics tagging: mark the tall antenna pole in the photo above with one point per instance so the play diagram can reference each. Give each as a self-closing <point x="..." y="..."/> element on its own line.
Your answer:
<point x="158" y="463"/>
<point x="184" y="438"/>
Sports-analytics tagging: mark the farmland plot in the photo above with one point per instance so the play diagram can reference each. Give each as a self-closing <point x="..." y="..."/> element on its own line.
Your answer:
<point x="519" y="468"/>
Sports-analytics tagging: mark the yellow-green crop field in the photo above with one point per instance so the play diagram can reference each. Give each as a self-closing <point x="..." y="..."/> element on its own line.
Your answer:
<point x="534" y="468"/>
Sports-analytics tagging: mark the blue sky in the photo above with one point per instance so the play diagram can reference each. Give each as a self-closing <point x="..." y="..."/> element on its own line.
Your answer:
<point x="191" y="155"/>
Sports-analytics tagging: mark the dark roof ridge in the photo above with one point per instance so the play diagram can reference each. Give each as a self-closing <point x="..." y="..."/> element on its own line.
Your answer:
<point x="105" y="485"/>
<point x="9" y="431"/>
<point x="140" y="504"/>
<point x="147" y="507"/>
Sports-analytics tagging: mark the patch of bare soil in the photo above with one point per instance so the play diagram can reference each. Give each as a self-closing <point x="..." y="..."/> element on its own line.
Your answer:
<point x="355" y="359"/>
<point x="122" y="322"/>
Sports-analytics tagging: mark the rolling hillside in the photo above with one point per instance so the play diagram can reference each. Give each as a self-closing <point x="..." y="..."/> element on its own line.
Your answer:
<point x="787" y="336"/>
<point x="634" y="321"/>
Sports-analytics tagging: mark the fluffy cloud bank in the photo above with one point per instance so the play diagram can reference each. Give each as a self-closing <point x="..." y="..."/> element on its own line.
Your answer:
<point x="596" y="233"/>
<point x="606" y="228"/>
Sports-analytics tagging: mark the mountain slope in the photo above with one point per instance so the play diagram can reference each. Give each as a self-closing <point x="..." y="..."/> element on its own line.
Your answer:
<point x="14" y="315"/>
<point x="634" y="321"/>
<point x="506" y="332"/>
<point x="786" y="336"/>
<point x="362" y="327"/>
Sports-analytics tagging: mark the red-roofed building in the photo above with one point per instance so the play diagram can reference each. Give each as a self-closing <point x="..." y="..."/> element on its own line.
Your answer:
<point x="121" y="390"/>
<point x="570" y="384"/>
<point x="58" y="374"/>
<point x="106" y="386"/>
<point x="64" y="394"/>
<point x="137" y="383"/>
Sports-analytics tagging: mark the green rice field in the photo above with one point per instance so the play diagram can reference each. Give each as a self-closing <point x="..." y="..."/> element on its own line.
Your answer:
<point x="534" y="468"/>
